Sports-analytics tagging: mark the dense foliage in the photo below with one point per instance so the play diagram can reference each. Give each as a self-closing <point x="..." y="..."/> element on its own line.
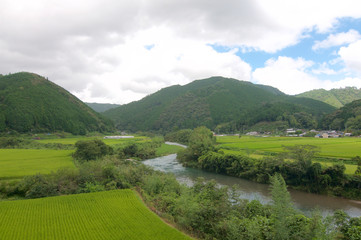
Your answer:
<point x="294" y="164"/>
<point x="222" y="104"/>
<point x="335" y="97"/>
<point x="102" y="107"/>
<point x="142" y="151"/>
<point x="31" y="103"/>
<point x="347" y="117"/>
<point x="91" y="149"/>
<point x="181" y="136"/>
<point x="23" y="143"/>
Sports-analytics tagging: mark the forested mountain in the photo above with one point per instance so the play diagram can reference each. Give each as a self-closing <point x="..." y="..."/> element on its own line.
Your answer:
<point x="29" y="102"/>
<point x="347" y="117"/>
<point x="218" y="103"/>
<point x="335" y="97"/>
<point x="102" y="107"/>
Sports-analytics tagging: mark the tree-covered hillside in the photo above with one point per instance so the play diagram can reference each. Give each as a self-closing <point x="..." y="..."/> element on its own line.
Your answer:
<point x="29" y="102"/>
<point x="335" y="97"/>
<point x="102" y="107"/>
<point x="218" y="103"/>
<point x="348" y="117"/>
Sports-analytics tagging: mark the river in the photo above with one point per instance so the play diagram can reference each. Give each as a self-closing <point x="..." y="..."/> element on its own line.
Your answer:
<point x="306" y="202"/>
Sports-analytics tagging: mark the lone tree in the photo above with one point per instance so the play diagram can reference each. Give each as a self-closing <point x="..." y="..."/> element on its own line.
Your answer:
<point x="91" y="150"/>
<point x="282" y="207"/>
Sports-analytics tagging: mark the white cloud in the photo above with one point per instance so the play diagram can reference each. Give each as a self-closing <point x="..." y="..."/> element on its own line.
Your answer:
<point x="134" y="70"/>
<point x="97" y="49"/>
<point x="324" y="69"/>
<point x="338" y="39"/>
<point x="287" y="74"/>
<point x="346" y="82"/>
<point x="350" y="55"/>
<point x="294" y="76"/>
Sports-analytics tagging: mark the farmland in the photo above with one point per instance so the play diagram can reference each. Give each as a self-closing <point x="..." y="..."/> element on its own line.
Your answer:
<point x="331" y="149"/>
<point x="344" y="148"/>
<point x="166" y="149"/>
<point x="16" y="163"/>
<point x="117" y="214"/>
<point x="73" y="140"/>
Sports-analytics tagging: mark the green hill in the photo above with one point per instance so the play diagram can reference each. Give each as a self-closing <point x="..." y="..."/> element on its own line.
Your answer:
<point x="335" y="97"/>
<point x="217" y="102"/>
<point x="102" y="107"/>
<point x="29" y="102"/>
<point x="349" y="116"/>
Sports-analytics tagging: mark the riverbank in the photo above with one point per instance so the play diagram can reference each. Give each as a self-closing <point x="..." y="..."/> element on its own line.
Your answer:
<point x="306" y="202"/>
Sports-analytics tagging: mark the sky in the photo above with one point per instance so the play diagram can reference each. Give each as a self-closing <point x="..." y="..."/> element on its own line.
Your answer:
<point x="119" y="51"/>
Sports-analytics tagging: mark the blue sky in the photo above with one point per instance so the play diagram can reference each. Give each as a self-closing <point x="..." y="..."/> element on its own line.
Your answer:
<point x="120" y="51"/>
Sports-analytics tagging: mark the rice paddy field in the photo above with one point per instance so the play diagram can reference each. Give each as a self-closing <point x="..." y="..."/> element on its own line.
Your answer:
<point x="166" y="149"/>
<point x="17" y="163"/>
<point x="73" y="140"/>
<point x="330" y="147"/>
<point x="342" y="149"/>
<point x="117" y="214"/>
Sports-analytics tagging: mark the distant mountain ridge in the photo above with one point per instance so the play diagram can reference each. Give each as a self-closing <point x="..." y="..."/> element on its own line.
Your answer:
<point x="335" y="97"/>
<point x="218" y="103"/>
<point x="102" y="107"/>
<point x="29" y="102"/>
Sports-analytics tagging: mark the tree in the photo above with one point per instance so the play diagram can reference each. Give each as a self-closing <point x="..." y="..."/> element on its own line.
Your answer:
<point x="91" y="150"/>
<point x="282" y="208"/>
<point x="302" y="153"/>
<point x="358" y="160"/>
<point x="201" y="141"/>
<point x="302" y="166"/>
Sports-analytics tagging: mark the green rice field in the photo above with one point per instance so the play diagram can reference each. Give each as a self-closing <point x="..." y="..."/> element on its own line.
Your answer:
<point x="166" y="149"/>
<point x="16" y="163"/>
<point x="330" y="148"/>
<point x="117" y="214"/>
<point x="73" y="140"/>
<point x="345" y="148"/>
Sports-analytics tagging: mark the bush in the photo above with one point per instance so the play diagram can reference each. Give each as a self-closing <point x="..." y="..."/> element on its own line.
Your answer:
<point x="91" y="150"/>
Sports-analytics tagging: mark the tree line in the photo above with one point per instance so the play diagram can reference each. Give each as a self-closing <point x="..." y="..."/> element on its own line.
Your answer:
<point x="294" y="164"/>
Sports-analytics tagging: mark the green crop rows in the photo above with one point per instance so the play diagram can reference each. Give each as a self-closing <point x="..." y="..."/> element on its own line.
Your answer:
<point x="330" y="148"/>
<point x="117" y="214"/>
<point x="16" y="163"/>
<point x="107" y="141"/>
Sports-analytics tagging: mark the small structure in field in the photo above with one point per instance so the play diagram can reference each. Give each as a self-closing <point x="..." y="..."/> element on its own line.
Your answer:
<point x="117" y="137"/>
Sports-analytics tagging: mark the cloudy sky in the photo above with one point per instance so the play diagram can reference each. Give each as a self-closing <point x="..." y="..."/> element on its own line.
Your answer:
<point x="118" y="51"/>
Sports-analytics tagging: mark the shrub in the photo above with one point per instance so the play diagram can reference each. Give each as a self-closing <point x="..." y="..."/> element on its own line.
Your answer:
<point x="91" y="150"/>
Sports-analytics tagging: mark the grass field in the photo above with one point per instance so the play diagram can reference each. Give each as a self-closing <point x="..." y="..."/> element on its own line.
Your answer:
<point x="117" y="214"/>
<point x="330" y="147"/>
<point x="107" y="141"/>
<point x="166" y="149"/>
<point x="16" y="163"/>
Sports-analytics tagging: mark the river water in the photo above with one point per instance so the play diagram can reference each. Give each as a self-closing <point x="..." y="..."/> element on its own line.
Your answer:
<point x="306" y="202"/>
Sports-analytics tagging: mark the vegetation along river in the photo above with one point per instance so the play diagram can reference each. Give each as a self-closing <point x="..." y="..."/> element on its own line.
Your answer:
<point x="306" y="202"/>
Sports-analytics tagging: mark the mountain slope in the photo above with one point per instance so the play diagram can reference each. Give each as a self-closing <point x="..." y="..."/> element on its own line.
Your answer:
<point x="209" y="102"/>
<point x="101" y="107"/>
<point x="335" y="97"/>
<point x="349" y="116"/>
<point x="29" y="102"/>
